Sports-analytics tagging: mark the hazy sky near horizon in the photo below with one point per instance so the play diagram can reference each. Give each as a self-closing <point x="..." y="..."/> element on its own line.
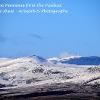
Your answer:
<point x="47" y="35"/>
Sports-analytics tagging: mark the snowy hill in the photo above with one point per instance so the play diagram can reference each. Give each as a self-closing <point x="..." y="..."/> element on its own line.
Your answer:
<point x="36" y="70"/>
<point x="35" y="74"/>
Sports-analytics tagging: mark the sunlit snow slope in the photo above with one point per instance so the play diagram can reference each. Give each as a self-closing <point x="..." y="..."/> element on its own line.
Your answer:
<point x="34" y="70"/>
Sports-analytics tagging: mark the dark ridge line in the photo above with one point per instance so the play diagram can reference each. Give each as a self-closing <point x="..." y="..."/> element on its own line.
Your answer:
<point x="91" y="80"/>
<point x="36" y="94"/>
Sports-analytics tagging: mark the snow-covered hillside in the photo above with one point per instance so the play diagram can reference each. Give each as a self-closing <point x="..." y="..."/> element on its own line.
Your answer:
<point x="34" y="70"/>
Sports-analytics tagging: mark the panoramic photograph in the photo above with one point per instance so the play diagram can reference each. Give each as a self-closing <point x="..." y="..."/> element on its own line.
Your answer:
<point x="50" y="50"/>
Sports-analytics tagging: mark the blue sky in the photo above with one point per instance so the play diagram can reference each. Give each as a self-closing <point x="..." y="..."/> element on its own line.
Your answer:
<point x="47" y="35"/>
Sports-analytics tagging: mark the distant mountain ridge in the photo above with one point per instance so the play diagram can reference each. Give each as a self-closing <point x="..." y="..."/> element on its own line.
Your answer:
<point x="78" y="60"/>
<point x="92" y="60"/>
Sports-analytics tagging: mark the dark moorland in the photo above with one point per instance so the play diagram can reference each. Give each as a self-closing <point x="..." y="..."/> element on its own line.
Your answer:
<point x="54" y="92"/>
